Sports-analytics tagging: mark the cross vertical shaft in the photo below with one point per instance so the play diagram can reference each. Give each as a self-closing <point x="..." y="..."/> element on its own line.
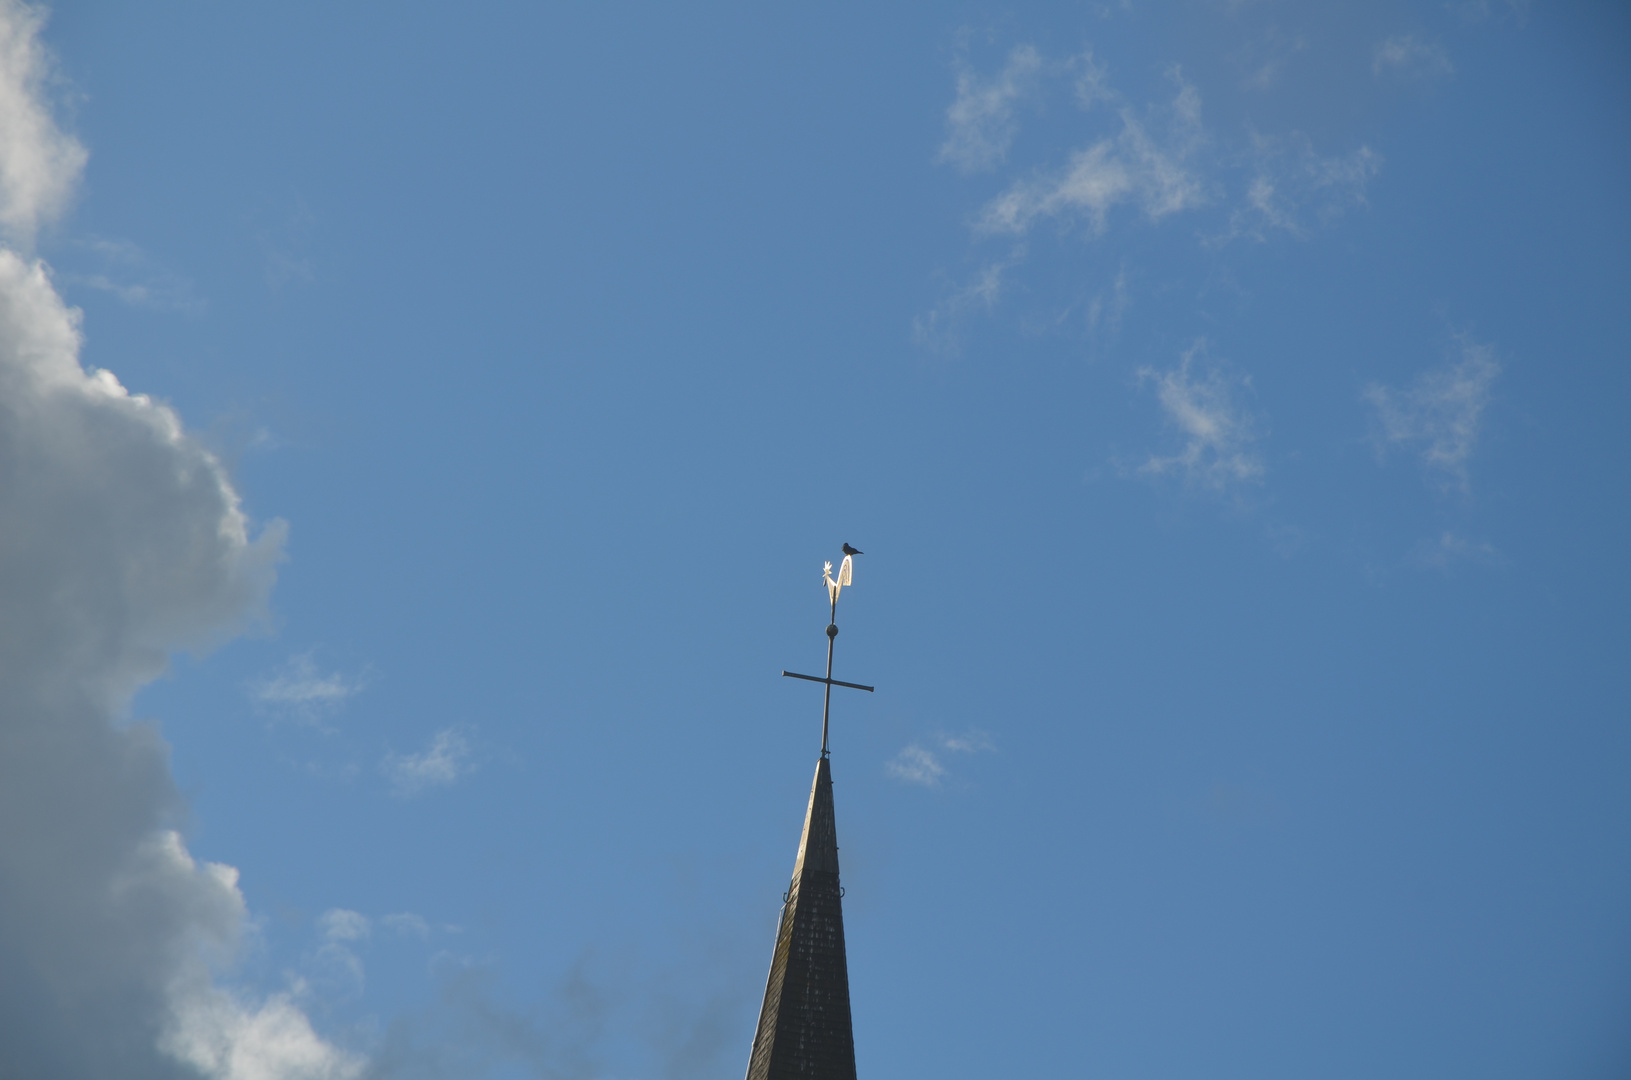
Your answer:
<point x="826" y="701"/>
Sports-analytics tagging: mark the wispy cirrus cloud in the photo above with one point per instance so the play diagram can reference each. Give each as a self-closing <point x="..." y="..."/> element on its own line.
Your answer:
<point x="339" y="924"/>
<point x="126" y="272"/>
<point x="1267" y="58"/>
<point x="1291" y="185"/>
<point x="1406" y="56"/>
<point x="1145" y="165"/>
<point x="1440" y="414"/>
<point x="1200" y="399"/>
<point x="407" y="924"/>
<point x="335" y="967"/>
<point x="980" y="124"/>
<point x="922" y="762"/>
<point x="1475" y="11"/>
<point x="1153" y="163"/>
<point x="1106" y="312"/>
<point x="443" y="762"/>
<point x="1451" y="548"/>
<point x="286" y="241"/>
<point x="940" y="328"/>
<point x="1164" y="161"/>
<point x="916" y="765"/>
<point x="1091" y="80"/>
<point x="299" y="690"/>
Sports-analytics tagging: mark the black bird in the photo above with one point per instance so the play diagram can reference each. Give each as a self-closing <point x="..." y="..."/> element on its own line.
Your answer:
<point x="852" y="551"/>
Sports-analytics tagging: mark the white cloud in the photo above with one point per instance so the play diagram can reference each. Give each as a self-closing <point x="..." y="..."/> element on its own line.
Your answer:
<point x="1109" y="313"/>
<point x="1092" y="81"/>
<point x="39" y="163"/>
<point x="1268" y="57"/>
<point x="225" y="1038"/>
<point x="1479" y="10"/>
<point x="407" y="924"/>
<point x="341" y="925"/>
<point x="444" y="761"/>
<point x="334" y="967"/>
<point x="300" y="691"/>
<point x="1440" y="414"/>
<point x="287" y="243"/>
<point x="939" y="329"/>
<point x="1289" y="182"/>
<point x="1160" y="162"/>
<point x="980" y="122"/>
<point x="918" y="764"/>
<point x="1146" y="164"/>
<point x="1449" y="548"/>
<point x="121" y="541"/>
<point x="972" y="741"/>
<point x="126" y="272"/>
<point x="1407" y="56"/>
<point x="1218" y="433"/>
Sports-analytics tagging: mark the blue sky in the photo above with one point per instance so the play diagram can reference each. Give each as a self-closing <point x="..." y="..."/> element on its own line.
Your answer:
<point x="1229" y="399"/>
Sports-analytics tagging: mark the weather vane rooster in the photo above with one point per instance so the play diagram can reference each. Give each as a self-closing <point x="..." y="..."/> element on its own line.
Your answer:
<point x="846" y="571"/>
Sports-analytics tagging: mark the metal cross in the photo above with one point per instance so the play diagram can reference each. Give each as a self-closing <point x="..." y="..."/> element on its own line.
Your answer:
<point x="834" y="587"/>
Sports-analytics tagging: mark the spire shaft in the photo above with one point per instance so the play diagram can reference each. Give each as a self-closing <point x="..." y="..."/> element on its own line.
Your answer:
<point x="804" y="1028"/>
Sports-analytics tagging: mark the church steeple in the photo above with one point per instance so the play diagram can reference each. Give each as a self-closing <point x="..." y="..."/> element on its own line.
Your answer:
<point x="804" y="1025"/>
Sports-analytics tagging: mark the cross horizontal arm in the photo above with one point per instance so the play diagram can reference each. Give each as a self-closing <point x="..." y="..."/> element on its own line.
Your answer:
<point x="831" y="682"/>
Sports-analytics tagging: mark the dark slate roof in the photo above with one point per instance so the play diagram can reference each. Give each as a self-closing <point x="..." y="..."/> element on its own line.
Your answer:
<point x="804" y="1026"/>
